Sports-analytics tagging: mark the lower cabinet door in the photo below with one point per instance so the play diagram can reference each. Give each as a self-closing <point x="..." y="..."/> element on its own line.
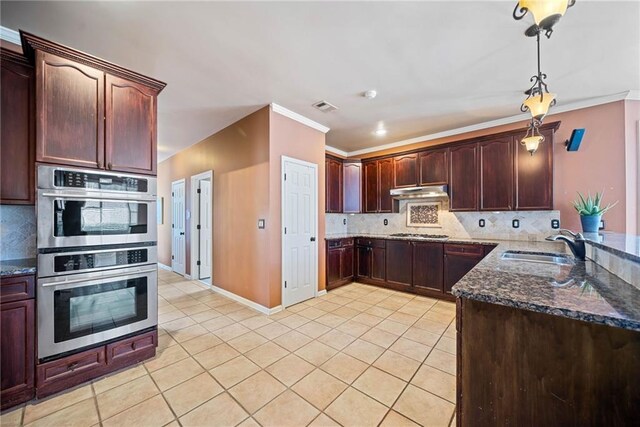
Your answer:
<point x="333" y="266"/>
<point x="378" y="264"/>
<point x="346" y="263"/>
<point x="363" y="261"/>
<point x="456" y="266"/>
<point x="17" y="352"/>
<point x="399" y="260"/>
<point x="428" y="265"/>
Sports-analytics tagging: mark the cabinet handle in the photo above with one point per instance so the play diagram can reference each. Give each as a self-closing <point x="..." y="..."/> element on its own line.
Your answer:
<point x="99" y="164"/>
<point x="72" y="366"/>
<point x="109" y="166"/>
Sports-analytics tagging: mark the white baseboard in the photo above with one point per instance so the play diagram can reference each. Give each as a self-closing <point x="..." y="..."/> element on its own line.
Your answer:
<point x="164" y="267"/>
<point x="187" y="276"/>
<point x="251" y="304"/>
<point x="322" y="292"/>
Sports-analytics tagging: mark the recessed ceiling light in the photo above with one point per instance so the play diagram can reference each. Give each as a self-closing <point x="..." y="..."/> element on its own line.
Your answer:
<point x="380" y="132"/>
<point x="370" y="94"/>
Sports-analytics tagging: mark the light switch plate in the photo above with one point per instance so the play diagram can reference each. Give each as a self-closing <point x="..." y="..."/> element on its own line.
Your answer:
<point x="261" y="223"/>
<point x="555" y="224"/>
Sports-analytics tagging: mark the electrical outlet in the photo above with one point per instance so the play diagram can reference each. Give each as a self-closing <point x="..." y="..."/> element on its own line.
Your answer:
<point x="601" y="225"/>
<point x="481" y="223"/>
<point x="386" y="221"/>
<point x="555" y="224"/>
<point x="515" y="223"/>
<point x="344" y="221"/>
<point x="261" y="223"/>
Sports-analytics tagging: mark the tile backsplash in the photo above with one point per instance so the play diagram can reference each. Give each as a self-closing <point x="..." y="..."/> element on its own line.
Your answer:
<point x="533" y="225"/>
<point x="17" y="232"/>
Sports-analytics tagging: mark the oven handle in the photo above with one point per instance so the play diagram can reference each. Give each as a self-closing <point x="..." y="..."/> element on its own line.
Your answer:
<point x="72" y="281"/>
<point x="92" y="197"/>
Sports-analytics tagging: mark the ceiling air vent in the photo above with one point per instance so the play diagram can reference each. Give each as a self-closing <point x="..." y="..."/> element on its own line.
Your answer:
<point x="325" y="107"/>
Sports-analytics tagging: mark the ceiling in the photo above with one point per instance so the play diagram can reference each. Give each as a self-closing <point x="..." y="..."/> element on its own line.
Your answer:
<point x="436" y="65"/>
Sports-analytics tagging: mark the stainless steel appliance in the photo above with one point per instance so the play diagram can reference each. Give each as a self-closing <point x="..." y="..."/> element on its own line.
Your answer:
<point x="436" y="192"/>
<point x="78" y="207"/>
<point x="97" y="258"/>
<point x="80" y="310"/>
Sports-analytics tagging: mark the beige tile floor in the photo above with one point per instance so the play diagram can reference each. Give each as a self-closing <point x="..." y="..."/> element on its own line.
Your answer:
<point x="358" y="356"/>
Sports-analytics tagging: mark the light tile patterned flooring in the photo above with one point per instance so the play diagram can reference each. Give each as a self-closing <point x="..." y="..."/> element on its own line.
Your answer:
<point x="358" y="356"/>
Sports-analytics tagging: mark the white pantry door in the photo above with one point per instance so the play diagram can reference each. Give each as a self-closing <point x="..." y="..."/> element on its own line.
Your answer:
<point x="300" y="225"/>
<point x="206" y="230"/>
<point x="178" y="226"/>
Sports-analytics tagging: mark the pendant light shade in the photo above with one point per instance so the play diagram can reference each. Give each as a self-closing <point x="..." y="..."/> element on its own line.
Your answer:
<point x="546" y="13"/>
<point x="532" y="138"/>
<point x="538" y="105"/>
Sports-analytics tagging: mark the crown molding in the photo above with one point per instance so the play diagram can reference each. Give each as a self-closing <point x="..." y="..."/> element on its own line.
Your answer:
<point x="335" y="150"/>
<point x="298" y="117"/>
<point x="9" y="35"/>
<point x="591" y="102"/>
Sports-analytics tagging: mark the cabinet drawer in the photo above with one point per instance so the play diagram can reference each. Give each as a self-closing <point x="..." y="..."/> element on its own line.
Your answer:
<point x="346" y="242"/>
<point x="374" y="243"/>
<point x="334" y="243"/>
<point x="464" y="249"/>
<point x="16" y="288"/>
<point x="132" y="348"/>
<point x="69" y="371"/>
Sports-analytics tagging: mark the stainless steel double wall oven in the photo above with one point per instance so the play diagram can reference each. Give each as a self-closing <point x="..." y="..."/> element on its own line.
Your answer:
<point x="97" y="257"/>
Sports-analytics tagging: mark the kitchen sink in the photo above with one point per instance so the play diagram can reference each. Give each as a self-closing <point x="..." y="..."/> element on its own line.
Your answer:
<point x="540" y="257"/>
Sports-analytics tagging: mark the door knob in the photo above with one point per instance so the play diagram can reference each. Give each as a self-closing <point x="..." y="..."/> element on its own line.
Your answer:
<point x="182" y="233"/>
<point x="313" y="239"/>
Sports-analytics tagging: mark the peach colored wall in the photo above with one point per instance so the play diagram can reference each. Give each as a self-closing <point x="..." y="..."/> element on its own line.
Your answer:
<point x="632" y="147"/>
<point x="598" y="165"/>
<point x="293" y="139"/>
<point x="239" y="158"/>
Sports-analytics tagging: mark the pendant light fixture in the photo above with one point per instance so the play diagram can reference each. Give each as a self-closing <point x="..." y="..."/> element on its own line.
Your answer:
<point x="546" y="13"/>
<point x="532" y="138"/>
<point x="539" y="99"/>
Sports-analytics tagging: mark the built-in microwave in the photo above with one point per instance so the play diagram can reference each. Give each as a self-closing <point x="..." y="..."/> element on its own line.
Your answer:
<point x="79" y="208"/>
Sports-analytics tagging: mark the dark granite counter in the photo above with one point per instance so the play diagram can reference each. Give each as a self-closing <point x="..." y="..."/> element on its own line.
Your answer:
<point x="15" y="267"/>
<point x="626" y="246"/>
<point x="425" y="239"/>
<point x="583" y="291"/>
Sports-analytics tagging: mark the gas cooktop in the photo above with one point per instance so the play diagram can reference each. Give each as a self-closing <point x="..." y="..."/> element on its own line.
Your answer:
<point x="421" y="236"/>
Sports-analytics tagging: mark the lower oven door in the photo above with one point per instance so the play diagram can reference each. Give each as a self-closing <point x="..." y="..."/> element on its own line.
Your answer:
<point x="87" y="309"/>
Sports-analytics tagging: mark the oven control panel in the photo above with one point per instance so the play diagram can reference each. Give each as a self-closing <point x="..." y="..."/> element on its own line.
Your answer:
<point x="97" y="181"/>
<point x="88" y="261"/>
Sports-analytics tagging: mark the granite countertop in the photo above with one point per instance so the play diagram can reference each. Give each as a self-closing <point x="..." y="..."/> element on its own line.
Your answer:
<point x="626" y="246"/>
<point x="464" y="240"/>
<point x="584" y="291"/>
<point x="14" y="267"/>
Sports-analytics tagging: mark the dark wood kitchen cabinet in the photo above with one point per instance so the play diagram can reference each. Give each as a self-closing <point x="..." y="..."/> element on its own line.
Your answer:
<point x="405" y="170"/>
<point x="534" y="173"/>
<point x="17" y="129"/>
<point x="371" y="259"/>
<point x="428" y="266"/>
<point x="130" y="126"/>
<point x="91" y="113"/>
<point x="496" y="174"/>
<point x="434" y="167"/>
<point x="458" y="261"/>
<point x="340" y="262"/>
<point x="352" y="187"/>
<point x="463" y="178"/>
<point x="333" y="185"/>
<point x="399" y="258"/>
<point x="377" y="184"/>
<point x="17" y="339"/>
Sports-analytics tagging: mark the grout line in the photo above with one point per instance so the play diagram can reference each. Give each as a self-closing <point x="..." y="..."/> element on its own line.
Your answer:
<point x="95" y="402"/>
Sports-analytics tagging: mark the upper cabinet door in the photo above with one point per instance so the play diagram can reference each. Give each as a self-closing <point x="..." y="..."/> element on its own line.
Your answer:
<point x="434" y="167"/>
<point x="352" y="188"/>
<point x="534" y="174"/>
<point x="70" y="112"/>
<point x="385" y="179"/>
<point x="130" y="132"/>
<point x="405" y="170"/>
<point x="496" y="175"/>
<point x="463" y="178"/>
<point x="334" y="186"/>
<point x="17" y="131"/>
<point x="370" y="186"/>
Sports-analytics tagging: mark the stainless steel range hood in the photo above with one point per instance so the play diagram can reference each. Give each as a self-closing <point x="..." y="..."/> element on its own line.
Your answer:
<point x="437" y="192"/>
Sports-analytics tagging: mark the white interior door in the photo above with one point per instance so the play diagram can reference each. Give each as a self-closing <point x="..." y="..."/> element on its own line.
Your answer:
<point x="299" y="238"/>
<point x="178" y="225"/>
<point x="206" y="230"/>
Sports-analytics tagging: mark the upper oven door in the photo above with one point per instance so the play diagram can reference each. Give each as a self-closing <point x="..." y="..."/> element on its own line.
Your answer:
<point x="92" y="182"/>
<point x="68" y="219"/>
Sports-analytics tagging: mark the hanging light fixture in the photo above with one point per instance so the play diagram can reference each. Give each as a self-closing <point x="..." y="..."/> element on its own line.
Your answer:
<point x="532" y="138"/>
<point x="539" y="99"/>
<point x="546" y="13"/>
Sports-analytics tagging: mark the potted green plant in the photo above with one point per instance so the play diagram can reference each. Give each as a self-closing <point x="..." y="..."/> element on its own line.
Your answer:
<point x="591" y="211"/>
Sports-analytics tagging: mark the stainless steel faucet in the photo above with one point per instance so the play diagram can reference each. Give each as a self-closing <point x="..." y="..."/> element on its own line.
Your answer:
<point x="575" y="243"/>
